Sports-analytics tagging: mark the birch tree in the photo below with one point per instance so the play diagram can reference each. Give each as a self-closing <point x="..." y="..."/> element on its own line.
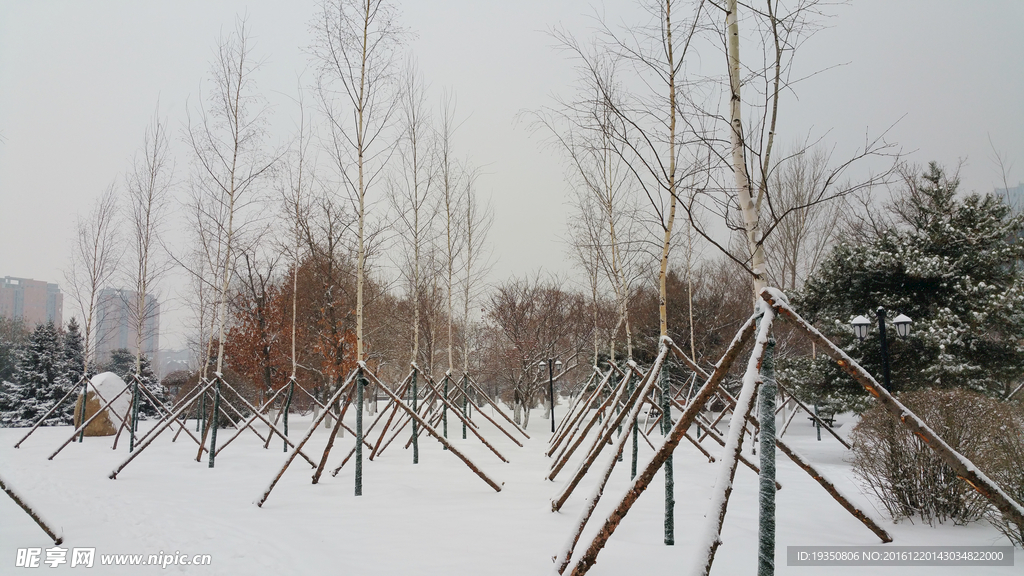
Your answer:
<point x="449" y="181"/>
<point x="478" y="217"/>
<point x="227" y="141"/>
<point x="411" y="192"/>
<point x="148" y="186"/>
<point x="95" y="256"/>
<point x="355" y="47"/>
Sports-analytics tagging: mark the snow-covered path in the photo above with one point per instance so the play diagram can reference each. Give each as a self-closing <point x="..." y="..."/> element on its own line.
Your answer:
<point x="434" y="518"/>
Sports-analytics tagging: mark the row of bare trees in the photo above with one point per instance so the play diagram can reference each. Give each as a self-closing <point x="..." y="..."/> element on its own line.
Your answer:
<point x="370" y="179"/>
<point x="652" y="131"/>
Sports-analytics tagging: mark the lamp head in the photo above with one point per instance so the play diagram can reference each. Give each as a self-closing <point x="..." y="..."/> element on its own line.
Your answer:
<point x="860" y="326"/>
<point x="902" y="323"/>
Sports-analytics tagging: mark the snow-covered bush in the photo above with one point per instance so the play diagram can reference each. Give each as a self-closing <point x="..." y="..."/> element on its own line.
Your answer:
<point x="911" y="480"/>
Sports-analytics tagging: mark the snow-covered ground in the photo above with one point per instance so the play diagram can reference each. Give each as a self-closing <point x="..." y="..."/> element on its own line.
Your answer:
<point x="434" y="518"/>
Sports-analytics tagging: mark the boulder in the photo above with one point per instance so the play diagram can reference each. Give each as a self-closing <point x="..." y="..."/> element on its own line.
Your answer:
<point x="102" y="388"/>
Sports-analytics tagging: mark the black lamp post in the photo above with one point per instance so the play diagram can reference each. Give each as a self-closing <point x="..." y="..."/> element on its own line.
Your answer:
<point x="552" y="364"/>
<point x="902" y="323"/>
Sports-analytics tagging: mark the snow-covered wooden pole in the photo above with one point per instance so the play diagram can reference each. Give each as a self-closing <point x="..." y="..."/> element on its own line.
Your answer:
<point x="679" y="429"/>
<point x="201" y="390"/>
<point x="53" y="409"/>
<point x="30" y="511"/>
<point x="766" y="479"/>
<point x="711" y="537"/>
<point x="309" y="434"/>
<point x="430" y="430"/>
<point x="497" y="408"/>
<point x="963" y="467"/>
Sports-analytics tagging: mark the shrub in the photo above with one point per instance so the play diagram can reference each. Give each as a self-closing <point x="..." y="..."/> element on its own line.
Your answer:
<point x="911" y="480"/>
<point x="1007" y="469"/>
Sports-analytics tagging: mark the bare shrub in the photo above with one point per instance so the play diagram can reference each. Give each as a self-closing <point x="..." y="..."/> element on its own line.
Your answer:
<point x="1008" y="465"/>
<point x="911" y="480"/>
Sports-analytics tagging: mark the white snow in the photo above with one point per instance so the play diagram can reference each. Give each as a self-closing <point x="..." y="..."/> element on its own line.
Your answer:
<point x="108" y="385"/>
<point x="434" y="518"/>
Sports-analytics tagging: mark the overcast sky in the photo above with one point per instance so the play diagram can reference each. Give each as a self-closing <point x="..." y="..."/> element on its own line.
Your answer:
<point x="80" y="80"/>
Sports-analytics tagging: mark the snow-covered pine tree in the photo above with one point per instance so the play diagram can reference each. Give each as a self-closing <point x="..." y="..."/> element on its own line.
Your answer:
<point x="39" y="382"/>
<point x="122" y="363"/>
<point x="73" y="352"/>
<point x="13" y="341"/>
<point x="950" y="263"/>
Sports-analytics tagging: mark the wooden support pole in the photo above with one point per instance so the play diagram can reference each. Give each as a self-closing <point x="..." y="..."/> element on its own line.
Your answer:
<point x="715" y="518"/>
<point x="31" y="512"/>
<point x="634" y="413"/>
<point x="576" y="412"/>
<point x="497" y="408"/>
<point x="644" y="478"/>
<point x="309" y="434"/>
<point x="961" y="465"/>
<point x="630" y="407"/>
<point x="430" y="430"/>
<point x="332" y="436"/>
<point x="599" y="441"/>
<point x="273" y="428"/>
<point x="820" y="422"/>
<point x="145" y="444"/>
<point x="82" y="426"/>
<point x="472" y="427"/>
<point x="252" y="419"/>
<point x="573" y="408"/>
<point x="53" y="409"/>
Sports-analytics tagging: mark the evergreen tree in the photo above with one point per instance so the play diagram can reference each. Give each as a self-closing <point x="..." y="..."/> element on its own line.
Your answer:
<point x="74" y="353"/>
<point x="39" y="382"/>
<point x="122" y="363"/>
<point x="13" y="339"/>
<point x="951" y="265"/>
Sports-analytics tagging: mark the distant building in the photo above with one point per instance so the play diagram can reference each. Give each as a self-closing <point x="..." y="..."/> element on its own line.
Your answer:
<point x="31" y="301"/>
<point x="116" y="324"/>
<point x="172" y="361"/>
<point x="1014" y="197"/>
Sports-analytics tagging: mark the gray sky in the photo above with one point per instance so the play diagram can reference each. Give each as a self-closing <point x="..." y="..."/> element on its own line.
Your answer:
<point x="79" y="82"/>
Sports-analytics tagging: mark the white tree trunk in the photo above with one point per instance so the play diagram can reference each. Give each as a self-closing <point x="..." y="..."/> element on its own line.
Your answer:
<point x="739" y="162"/>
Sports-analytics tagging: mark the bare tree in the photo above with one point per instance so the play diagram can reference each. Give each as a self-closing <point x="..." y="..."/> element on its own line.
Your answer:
<point x="411" y="192"/>
<point x="95" y="257"/>
<point x="227" y="141"/>
<point x="148" y="186"/>
<point x="295" y="195"/>
<point x="475" y="265"/>
<point x="530" y="321"/>
<point x="802" y="239"/>
<point x="355" y="45"/>
<point x="449" y="177"/>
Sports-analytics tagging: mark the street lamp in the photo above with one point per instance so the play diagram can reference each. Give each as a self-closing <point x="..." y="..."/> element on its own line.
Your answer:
<point x="552" y="364"/>
<point x="902" y="323"/>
